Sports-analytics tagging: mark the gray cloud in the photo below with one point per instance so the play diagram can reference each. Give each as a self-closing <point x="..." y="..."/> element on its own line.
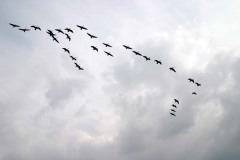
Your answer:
<point x="119" y="107"/>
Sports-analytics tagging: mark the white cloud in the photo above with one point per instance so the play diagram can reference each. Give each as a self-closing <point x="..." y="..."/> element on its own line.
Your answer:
<point x="118" y="106"/>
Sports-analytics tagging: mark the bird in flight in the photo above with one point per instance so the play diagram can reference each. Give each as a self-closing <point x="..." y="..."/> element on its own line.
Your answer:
<point x="68" y="30"/>
<point x="176" y="101"/>
<point x="78" y="66"/>
<point x="147" y="58"/>
<point x="55" y="39"/>
<point x="94" y="48"/>
<point x="108" y="53"/>
<point x="66" y="50"/>
<point x="173" y="110"/>
<point x="137" y="53"/>
<point x="172" y="114"/>
<point x="24" y="30"/>
<point x="198" y="84"/>
<point x="50" y="33"/>
<point x="82" y="27"/>
<point x="68" y="37"/>
<point x="174" y="105"/>
<point x="91" y="36"/>
<point x="73" y="58"/>
<point x="106" y="45"/>
<point x="194" y="93"/>
<point x="158" y="62"/>
<point x="127" y="47"/>
<point x="14" y="25"/>
<point x="172" y="68"/>
<point x="36" y="28"/>
<point x="191" y="80"/>
<point x="59" y="31"/>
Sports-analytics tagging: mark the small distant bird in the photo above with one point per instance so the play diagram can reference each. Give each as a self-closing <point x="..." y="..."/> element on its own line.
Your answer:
<point x="173" y="110"/>
<point x="108" y="53"/>
<point x="14" y="25"/>
<point x="172" y="114"/>
<point x="24" y="30"/>
<point x="137" y="53"/>
<point x="73" y="58"/>
<point x="174" y="105"/>
<point x="94" y="48"/>
<point x="59" y="31"/>
<point x="50" y="33"/>
<point x="194" y="93"/>
<point x="78" y="66"/>
<point x="198" y="84"/>
<point x="158" y="62"/>
<point x="68" y="37"/>
<point x="147" y="58"/>
<point x="191" y="80"/>
<point x="68" y="30"/>
<point x="82" y="27"/>
<point x="36" y="28"/>
<point x="91" y="36"/>
<point x="55" y="39"/>
<point x="66" y="50"/>
<point x="127" y="47"/>
<point x="172" y="68"/>
<point x="106" y="45"/>
<point x="176" y="101"/>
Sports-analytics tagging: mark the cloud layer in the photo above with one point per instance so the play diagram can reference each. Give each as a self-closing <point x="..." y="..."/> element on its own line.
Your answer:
<point x="118" y="107"/>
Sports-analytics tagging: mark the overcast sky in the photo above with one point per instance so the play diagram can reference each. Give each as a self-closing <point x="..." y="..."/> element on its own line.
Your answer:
<point x="118" y="107"/>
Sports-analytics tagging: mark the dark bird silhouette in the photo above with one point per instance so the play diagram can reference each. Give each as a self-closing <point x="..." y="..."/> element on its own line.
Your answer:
<point x="127" y="47"/>
<point x="55" y="39"/>
<point x="172" y="68"/>
<point x="94" y="48"/>
<point x="66" y="50"/>
<point x="59" y="31"/>
<point x="106" y="45"/>
<point x="147" y="58"/>
<point x="176" y="101"/>
<point x="36" y="28"/>
<point x="173" y="110"/>
<point x="82" y="27"/>
<point x="137" y="53"/>
<point x="24" y="30"/>
<point x="14" y="25"/>
<point x="68" y="37"/>
<point x="194" y="93"/>
<point x="50" y="33"/>
<point x="78" y="66"/>
<point x="174" y="105"/>
<point x="68" y="30"/>
<point x="191" y="80"/>
<point x="172" y="114"/>
<point x="158" y="62"/>
<point x="91" y="36"/>
<point x="73" y="58"/>
<point x="198" y="84"/>
<point x="108" y="53"/>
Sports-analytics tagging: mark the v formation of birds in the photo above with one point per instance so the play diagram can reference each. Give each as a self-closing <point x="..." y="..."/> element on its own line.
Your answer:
<point x="67" y="32"/>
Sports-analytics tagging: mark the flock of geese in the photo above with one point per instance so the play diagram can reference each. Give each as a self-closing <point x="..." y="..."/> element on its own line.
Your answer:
<point x="68" y="36"/>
